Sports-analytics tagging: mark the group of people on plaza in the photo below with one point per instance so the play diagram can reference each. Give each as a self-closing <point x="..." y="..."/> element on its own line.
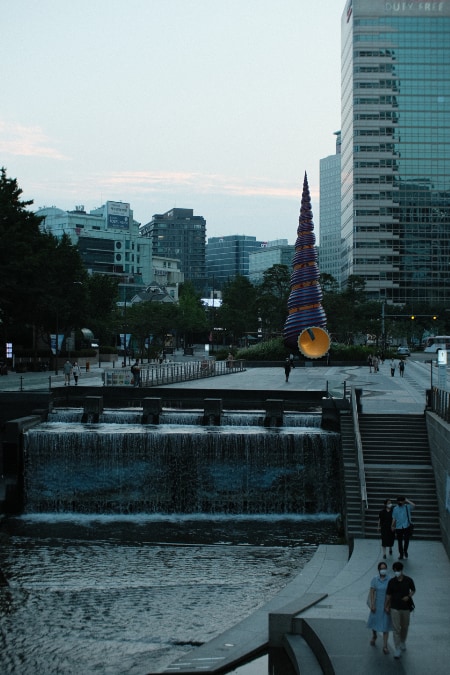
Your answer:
<point x="390" y="598"/>
<point x="71" y="370"/>
<point x="374" y="361"/>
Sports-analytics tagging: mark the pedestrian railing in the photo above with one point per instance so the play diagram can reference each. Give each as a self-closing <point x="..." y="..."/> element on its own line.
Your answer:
<point x="154" y="375"/>
<point x="360" y="456"/>
<point x="440" y="403"/>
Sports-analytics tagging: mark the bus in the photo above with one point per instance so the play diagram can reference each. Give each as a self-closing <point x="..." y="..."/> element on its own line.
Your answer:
<point x="432" y="344"/>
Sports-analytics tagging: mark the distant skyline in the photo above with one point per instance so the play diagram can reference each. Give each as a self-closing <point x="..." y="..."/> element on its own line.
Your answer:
<point x="216" y="106"/>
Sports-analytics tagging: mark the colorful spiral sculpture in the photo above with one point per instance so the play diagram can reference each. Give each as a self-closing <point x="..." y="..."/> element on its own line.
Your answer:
<point x="305" y="326"/>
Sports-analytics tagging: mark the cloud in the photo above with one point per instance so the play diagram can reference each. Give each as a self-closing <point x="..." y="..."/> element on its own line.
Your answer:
<point x="17" y="139"/>
<point x="195" y="182"/>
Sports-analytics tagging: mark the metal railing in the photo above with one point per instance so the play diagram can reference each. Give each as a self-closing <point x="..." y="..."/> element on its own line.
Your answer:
<point x="359" y="455"/>
<point x="440" y="403"/>
<point x="154" y="375"/>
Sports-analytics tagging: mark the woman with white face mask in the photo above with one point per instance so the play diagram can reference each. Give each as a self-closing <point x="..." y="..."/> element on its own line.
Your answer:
<point x="385" y="527"/>
<point x="379" y="620"/>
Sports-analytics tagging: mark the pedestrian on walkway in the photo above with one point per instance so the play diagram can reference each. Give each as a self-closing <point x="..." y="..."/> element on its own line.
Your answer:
<point x="392" y="367"/>
<point x="67" y="369"/>
<point x="76" y="371"/>
<point x="385" y="527"/>
<point x="401" y="524"/>
<point x="287" y="368"/>
<point x="401" y="367"/>
<point x="136" y="373"/>
<point x="369" y="362"/>
<point x="379" y="620"/>
<point x="399" y="605"/>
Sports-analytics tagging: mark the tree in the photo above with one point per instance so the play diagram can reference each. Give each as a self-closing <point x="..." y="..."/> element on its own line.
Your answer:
<point x="151" y="321"/>
<point x="19" y="240"/>
<point x="192" y="317"/>
<point x="238" y="314"/>
<point x="272" y="298"/>
<point x="101" y="299"/>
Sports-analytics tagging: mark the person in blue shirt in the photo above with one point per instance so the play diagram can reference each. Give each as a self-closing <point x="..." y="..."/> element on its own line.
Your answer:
<point x="379" y="620"/>
<point x="401" y="524"/>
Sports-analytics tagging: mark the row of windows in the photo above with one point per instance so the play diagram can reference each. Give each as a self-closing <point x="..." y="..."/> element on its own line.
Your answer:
<point x="435" y="24"/>
<point x="422" y="38"/>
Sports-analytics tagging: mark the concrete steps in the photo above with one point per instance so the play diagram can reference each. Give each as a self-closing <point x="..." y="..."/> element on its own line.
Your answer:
<point x="397" y="461"/>
<point x="352" y="489"/>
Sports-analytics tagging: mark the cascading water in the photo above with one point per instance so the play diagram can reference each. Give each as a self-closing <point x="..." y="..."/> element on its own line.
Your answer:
<point x="242" y="418"/>
<point x="131" y="468"/>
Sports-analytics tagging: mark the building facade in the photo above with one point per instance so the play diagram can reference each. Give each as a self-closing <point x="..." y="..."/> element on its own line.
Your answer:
<point x="395" y="124"/>
<point x="107" y="238"/>
<point x="330" y="213"/>
<point x="277" y="252"/>
<point x="228" y="256"/>
<point x="181" y="235"/>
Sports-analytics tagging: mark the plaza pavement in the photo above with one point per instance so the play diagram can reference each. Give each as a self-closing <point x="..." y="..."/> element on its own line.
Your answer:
<point x="343" y="611"/>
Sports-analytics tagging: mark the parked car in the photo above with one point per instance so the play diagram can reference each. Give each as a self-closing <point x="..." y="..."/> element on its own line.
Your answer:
<point x="403" y="351"/>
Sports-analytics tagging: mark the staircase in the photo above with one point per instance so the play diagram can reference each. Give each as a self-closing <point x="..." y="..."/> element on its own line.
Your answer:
<point x="397" y="462"/>
<point x="352" y="491"/>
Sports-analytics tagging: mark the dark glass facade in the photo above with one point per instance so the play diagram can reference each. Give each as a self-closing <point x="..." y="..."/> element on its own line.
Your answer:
<point x="227" y="257"/>
<point x="179" y="234"/>
<point x="395" y="181"/>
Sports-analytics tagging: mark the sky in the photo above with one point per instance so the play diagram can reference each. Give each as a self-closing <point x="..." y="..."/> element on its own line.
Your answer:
<point x="217" y="106"/>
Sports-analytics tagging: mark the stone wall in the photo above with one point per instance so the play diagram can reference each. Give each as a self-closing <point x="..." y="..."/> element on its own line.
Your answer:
<point x="439" y="439"/>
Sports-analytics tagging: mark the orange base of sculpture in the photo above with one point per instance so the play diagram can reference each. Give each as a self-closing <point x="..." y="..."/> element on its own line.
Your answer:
<point x="314" y="342"/>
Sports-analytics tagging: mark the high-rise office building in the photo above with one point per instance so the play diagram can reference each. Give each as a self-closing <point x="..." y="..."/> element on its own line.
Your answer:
<point x="330" y="213"/>
<point x="395" y="124"/>
<point x="179" y="234"/>
<point x="227" y="257"/>
<point x="277" y="252"/>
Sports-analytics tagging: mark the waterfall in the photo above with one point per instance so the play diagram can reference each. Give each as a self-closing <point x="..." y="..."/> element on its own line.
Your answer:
<point x="242" y="418"/>
<point x="120" y="468"/>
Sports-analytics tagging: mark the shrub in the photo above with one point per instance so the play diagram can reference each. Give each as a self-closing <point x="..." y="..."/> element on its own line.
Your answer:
<point x="270" y="350"/>
<point x="107" y="349"/>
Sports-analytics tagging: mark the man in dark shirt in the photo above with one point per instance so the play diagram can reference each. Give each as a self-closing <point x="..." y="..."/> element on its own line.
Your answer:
<point x="399" y="604"/>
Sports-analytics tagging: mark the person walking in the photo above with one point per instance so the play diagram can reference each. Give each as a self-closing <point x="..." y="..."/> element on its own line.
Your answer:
<point x="287" y="368"/>
<point x="401" y="367"/>
<point x="379" y="620"/>
<point x="401" y="524"/>
<point x="136" y="373"/>
<point x="385" y="527"/>
<point x="399" y="605"/>
<point x="76" y="371"/>
<point x="369" y="362"/>
<point x="67" y="369"/>
<point x="392" y="367"/>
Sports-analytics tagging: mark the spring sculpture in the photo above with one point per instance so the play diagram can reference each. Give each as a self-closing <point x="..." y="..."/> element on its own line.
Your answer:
<point x="305" y="327"/>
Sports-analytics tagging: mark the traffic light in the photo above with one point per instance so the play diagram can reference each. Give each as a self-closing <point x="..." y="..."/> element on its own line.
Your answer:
<point x="413" y="317"/>
<point x="434" y="318"/>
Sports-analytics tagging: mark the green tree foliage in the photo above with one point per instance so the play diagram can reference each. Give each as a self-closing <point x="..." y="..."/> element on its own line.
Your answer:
<point x="44" y="287"/>
<point x="101" y="297"/>
<point x="153" y="321"/>
<point x="238" y="314"/>
<point x="272" y="298"/>
<point x="19" y="241"/>
<point x="192" y="317"/>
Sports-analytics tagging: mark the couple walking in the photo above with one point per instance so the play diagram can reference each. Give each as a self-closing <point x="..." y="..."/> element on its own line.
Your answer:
<point x="396" y="522"/>
<point x="390" y="601"/>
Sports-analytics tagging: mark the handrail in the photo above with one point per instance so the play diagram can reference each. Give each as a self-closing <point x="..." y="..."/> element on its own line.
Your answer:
<point x="440" y="403"/>
<point x="359" y="450"/>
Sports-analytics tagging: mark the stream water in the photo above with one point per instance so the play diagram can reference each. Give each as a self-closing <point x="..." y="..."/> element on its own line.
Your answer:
<point x="127" y="595"/>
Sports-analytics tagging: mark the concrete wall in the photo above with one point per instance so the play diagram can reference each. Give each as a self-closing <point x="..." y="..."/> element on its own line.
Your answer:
<point x="439" y="438"/>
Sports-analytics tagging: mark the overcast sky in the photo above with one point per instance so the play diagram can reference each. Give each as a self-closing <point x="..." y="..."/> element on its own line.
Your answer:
<point x="215" y="105"/>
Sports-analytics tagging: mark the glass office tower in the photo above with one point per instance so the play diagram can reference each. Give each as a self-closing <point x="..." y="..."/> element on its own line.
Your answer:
<point x="395" y="182"/>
